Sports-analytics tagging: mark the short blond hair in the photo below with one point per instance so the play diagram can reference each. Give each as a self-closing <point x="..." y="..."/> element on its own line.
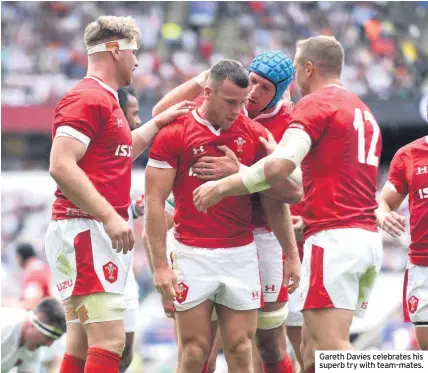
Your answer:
<point x="325" y="52"/>
<point x="107" y="28"/>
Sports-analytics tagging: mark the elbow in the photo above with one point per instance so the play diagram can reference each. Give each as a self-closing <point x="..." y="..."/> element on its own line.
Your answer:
<point x="55" y="170"/>
<point x="296" y="197"/>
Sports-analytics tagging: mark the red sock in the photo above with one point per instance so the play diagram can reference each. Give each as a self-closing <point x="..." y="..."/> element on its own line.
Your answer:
<point x="283" y="366"/>
<point x="72" y="364"/>
<point x="99" y="360"/>
<point x="205" y="368"/>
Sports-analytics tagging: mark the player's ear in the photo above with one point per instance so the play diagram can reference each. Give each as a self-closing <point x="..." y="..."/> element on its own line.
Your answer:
<point x="309" y="68"/>
<point x="115" y="53"/>
<point x="208" y="92"/>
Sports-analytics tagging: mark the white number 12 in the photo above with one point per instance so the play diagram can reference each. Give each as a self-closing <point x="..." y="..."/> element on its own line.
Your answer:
<point x="371" y="159"/>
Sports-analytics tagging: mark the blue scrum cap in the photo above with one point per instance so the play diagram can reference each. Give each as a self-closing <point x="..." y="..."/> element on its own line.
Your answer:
<point x="276" y="67"/>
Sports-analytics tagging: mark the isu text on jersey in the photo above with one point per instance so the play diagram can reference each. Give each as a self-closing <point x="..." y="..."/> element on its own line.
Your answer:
<point x="227" y="224"/>
<point x="90" y="112"/>
<point x="340" y="171"/>
<point x="408" y="174"/>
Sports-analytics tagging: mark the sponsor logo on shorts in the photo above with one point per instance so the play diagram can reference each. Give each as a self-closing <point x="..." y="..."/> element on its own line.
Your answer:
<point x="412" y="303"/>
<point x="255" y="295"/>
<point x="64" y="285"/>
<point x="182" y="293"/>
<point x="110" y="272"/>
<point x="269" y="289"/>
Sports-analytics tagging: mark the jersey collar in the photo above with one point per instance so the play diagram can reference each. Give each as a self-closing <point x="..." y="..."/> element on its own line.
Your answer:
<point x="267" y="115"/>
<point x="105" y="86"/>
<point x="337" y="86"/>
<point x="206" y="123"/>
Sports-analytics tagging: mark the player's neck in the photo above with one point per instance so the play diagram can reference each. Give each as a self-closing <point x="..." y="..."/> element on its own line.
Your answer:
<point x="105" y="76"/>
<point x="324" y="82"/>
<point x="203" y="113"/>
<point x="255" y="115"/>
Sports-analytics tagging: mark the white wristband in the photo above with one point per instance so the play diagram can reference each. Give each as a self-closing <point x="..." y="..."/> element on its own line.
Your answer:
<point x="148" y="130"/>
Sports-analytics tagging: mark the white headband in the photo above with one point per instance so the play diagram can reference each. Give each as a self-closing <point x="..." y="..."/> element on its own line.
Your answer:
<point x="121" y="44"/>
<point x="46" y="329"/>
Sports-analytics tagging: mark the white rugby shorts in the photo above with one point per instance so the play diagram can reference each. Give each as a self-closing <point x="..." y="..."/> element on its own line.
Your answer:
<point x="415" y="295"/>
<point x="82" y="259"/>
<point x="271" y="262"/>
<point x="227" y="276"/>
<point x="339" y="269"/>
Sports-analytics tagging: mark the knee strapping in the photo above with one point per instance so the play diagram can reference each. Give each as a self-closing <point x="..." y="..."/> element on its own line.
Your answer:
<point x="273" y="319"/>
<point x="100" y="307"/>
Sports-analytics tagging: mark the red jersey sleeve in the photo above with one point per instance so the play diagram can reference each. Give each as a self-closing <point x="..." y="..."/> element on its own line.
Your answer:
<point x="310" y="115"/>
<point x="397" y="172"/>
<point x="82" y="113"/>
<point x="167" y="145"/>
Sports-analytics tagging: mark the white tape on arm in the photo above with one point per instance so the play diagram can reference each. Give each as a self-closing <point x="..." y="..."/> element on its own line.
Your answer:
<point x="296" y="148"/>
<point x="148" y="130"/>
<point x="254" y="177"/>
<point x="296" y="176"/>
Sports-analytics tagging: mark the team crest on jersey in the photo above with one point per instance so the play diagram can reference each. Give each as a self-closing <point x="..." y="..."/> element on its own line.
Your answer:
<point x="412" y="303"/>
<point x="240" y="143"/>
<point x="110" y="272"/>
<point x="421" y="170"/>
<point x="182" y="294"/>
<point x="199" y="150"/>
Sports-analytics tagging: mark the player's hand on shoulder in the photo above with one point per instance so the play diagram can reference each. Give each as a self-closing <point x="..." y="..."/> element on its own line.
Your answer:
<point x="120" y="233"/>
<point x="391" y="222"/>
<point x="270" y="144"/>
<point x="165" y="281"/>
<point x="215" y="168"/>
<point x="292" y="268"/>
<point x="169" y="115"/>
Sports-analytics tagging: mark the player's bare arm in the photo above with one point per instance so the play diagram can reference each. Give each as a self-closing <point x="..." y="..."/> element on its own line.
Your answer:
<point x="215" y="168"/>
<point x="77" y="187"/>
<point x="169" y="221"/>
<point x="387" y="217"/>
<point x="159" y="182"/>
<point x="279" y="219"/>
<point x="142" y="136"/>
<point x="189" y="90"/>
<point x="265" y="174"/>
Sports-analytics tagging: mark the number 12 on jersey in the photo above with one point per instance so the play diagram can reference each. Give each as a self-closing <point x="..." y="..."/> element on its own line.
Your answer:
<point x="359" y="122"/>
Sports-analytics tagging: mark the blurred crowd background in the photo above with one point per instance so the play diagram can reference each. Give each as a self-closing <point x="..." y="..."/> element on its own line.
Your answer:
<point x="43" y="56"/>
